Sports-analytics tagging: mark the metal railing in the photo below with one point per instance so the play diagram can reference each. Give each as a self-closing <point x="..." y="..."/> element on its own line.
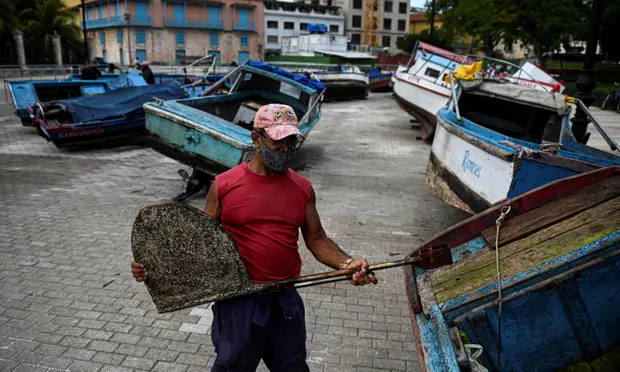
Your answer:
<point x="194" y="23"/>
<point x="244" y="26"/>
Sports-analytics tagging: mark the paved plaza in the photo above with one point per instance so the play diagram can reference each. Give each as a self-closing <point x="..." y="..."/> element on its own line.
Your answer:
<point x="67" y="299"/>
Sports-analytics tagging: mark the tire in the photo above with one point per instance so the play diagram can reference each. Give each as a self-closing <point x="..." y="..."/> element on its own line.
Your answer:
<point x="605" y="103"/>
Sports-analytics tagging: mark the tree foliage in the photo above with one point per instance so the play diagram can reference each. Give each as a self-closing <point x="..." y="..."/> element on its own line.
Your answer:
<point x="8" y="20"/>
<point x="439" y="38"/>
<point x="46" y="18"/>
<point x="610" y="31"/>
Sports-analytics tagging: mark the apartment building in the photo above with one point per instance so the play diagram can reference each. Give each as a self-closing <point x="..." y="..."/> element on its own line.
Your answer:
<point x="286" y="19"/>
<point x="161" y="31"/>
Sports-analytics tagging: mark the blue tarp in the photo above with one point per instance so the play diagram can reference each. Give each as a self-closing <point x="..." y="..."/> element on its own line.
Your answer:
<point x="120" y="102"/>
<point x="301" y="79"/>
<point x="321" y="28"/>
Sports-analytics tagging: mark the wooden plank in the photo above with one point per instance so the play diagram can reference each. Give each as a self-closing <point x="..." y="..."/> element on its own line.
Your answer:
<point x="525" y="224"/>
<point x="479" y="270"/>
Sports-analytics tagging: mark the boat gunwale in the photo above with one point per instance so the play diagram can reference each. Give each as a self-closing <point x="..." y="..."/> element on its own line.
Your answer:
<point x="397" y="77"/>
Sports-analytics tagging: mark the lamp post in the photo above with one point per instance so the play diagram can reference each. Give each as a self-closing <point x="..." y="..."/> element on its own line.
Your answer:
<point x="432" y="17"/>
<point x="86" y="56"/>
<point x="587" y="78"/>
<point x="127" y="19"/>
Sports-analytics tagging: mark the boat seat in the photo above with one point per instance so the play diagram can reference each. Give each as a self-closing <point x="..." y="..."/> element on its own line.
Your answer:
<point x="493" y="122"/>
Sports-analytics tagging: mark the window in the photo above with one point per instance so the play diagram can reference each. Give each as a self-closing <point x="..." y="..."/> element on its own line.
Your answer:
<point x="214" y="39"/>
<point x="356" y="39"/>
<point x="402" y="8"/>
<point x="102" y="38"/>
<point x="357" y="4"/>
<point x="402" y="24"/>
<point x="303" y="27"/>
<point x="289" y="26"/>
<point x="140" y="37"/>
<point x="431" y="72"/>
<point x="179" y="38"/>
<point x="330" y="3"/>
<point x="272" y="39"/>
<point x="387" y="7"/>
<point x="387" y="24"/>
<point x="400" y="40"/>
<point x="356" y="21"/>
<point x="272" y="24"/>
<point x="334" y="28"/>
<point x="244" y="41"/>
<point x="385" y="41"/>
<point x="119" y="37"/>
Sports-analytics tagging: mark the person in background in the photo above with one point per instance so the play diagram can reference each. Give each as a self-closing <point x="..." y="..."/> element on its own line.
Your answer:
<point x="147" y="74"/>
<point x="136" y="62"/>
<point x="89" y="72"/>
<point x="112" y="67"/>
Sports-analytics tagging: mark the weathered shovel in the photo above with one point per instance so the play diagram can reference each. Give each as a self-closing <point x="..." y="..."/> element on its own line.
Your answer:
<point x="192" y="260"/>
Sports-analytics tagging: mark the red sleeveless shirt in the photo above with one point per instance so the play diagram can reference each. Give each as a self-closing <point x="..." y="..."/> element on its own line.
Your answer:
<point x="263" y="214"/>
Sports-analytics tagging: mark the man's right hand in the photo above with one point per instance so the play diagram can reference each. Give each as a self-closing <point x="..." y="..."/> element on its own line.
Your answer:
<point x="138" y="272"/>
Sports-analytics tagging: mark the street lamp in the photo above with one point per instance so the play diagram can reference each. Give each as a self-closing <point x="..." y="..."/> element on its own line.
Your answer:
<point x="127" y="19"/>
<point x="587" y="78"/>
<point x="84" y="32"/>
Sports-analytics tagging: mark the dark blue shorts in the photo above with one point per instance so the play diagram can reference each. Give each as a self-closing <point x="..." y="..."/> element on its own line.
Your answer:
<point x="268" y="327"/>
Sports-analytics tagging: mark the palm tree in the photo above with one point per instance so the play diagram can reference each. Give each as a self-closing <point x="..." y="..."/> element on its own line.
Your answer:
<point x="46" y="18"/>
<point x="8" y="20"/>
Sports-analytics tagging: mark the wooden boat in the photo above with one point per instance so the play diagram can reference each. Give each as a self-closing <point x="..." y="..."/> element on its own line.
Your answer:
<point x="557" y="309"/>
<point x="107" y="117"/>
<point x="343" y="83"/>
<point x="498" y="140"/>
<point x="212" y="133"/>
<point x="379" y="81"/>
<point x="419" y="87"/>
<point x="27" y="94"/>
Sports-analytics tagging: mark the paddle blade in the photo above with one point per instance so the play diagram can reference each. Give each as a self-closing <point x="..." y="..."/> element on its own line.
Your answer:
<point x="433" y="257"/>
<point x="189" y="257"/>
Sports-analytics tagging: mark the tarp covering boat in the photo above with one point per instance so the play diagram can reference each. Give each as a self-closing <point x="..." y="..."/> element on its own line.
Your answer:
<point x="301" y="79"/>
<point x="119" y="102"/>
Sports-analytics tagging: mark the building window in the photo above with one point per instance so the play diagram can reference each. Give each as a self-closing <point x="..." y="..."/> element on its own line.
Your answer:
<point x="179" y="38"/>
<point x="214" y="39"/>
<point x="119" y="37"/>
<point x="357" y="4"/>
<point x="356" y="21"/>
<point x="140" y="37"/>
<point x="385" y="41"/>
<point x="402" y="8"/>
<point x="244" y="41"/>
<point x="334" y="28"/>
<point x="387" y="7"/>
<point x="102" y="38"/>
<point x="289" y="25"/>
<point x="272" y="24"/>
<point x="356" y="39"/>
<point x="387" y="24"/>
<point x="303" y="27"/>
<point x="330" y="3"/>
<point x="402" y="24"/>
<point x="400" y="40"/>
<point x="272" y="39"/>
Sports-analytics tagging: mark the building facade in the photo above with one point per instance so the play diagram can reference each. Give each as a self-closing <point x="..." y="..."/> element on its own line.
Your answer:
<point x="285" y="19"/>
<point x="161" y="31"/>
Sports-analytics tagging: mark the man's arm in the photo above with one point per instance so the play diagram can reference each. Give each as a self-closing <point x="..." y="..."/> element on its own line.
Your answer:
<point x="212" y="205"/>
<point x="327" y="252"/>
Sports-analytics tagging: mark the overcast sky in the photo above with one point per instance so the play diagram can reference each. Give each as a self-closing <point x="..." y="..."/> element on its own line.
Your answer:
<point x="418" y="3"/>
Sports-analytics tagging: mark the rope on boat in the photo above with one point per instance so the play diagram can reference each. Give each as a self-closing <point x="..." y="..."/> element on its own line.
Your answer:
<point x="504" y="212"/>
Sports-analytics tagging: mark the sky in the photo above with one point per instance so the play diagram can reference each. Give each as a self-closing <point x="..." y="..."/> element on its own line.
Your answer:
<point x="418" y="3"/>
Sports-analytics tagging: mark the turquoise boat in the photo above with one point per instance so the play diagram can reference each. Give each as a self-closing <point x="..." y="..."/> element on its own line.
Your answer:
<point x="212" y="133"/>
<point x="532" y="285"/>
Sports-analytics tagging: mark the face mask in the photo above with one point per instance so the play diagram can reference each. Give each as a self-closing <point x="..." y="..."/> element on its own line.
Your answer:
<point x="276" y="160"/>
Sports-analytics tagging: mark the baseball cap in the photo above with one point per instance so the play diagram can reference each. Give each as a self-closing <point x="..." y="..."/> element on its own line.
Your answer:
<point x="278" y="121"/>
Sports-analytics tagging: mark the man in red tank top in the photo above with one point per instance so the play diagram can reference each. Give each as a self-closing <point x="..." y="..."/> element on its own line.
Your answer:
<point x="263" y="204"/>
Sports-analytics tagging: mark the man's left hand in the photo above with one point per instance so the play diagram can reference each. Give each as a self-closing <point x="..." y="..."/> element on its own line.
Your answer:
<point x="361" y="276"/>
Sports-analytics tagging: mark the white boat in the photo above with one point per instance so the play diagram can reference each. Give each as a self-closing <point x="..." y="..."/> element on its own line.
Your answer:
<point x="346" y="82"/>
<point x="419" y="87"/>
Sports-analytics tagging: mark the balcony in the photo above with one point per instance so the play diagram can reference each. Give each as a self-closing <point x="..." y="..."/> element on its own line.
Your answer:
<point x="194" y="23"/>
<point x="244" y="26"/>
<point x="117" y="21"/>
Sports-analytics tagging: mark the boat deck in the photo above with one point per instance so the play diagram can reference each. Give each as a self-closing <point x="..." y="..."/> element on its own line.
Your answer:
<point x="534" y="238"/>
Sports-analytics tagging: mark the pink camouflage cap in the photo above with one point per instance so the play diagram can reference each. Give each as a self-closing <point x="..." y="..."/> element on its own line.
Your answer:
<point x="279" y="121"/>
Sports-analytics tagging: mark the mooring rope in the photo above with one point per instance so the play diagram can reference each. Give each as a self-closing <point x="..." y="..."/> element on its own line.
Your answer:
<point x="504" y="212"/>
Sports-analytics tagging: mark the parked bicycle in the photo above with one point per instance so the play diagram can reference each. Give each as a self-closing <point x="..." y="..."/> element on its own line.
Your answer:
<point x="612" y="100"/>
